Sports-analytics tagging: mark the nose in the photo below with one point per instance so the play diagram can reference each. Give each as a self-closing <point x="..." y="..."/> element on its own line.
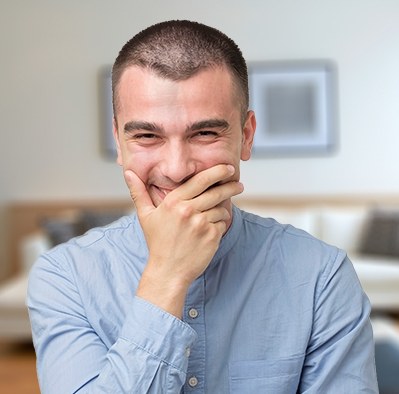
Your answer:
<point x="178" y="163"/>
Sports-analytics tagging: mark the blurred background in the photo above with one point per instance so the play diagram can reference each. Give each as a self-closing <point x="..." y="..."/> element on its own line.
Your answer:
<point x="53" y="117"/>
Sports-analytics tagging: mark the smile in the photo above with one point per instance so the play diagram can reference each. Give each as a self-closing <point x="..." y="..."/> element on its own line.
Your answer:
<point x="162" y="191"/>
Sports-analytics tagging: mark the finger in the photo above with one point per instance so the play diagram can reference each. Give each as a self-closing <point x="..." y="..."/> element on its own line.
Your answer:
<point x="138" y="192"/>
<point x="216" y="194"/>
<point x="203" y="180"/>
<point x="221" y="227"/>
<point x="217" y="214"/>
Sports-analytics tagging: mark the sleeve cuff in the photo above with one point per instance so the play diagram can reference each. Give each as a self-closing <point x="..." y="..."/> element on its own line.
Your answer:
<point x="159" y="333"/>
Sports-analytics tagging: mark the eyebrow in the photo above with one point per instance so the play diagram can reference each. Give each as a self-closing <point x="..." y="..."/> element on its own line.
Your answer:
<point x="140" y="125"/>
<point x="208" y="124"/>
<point x="135" y="125"/>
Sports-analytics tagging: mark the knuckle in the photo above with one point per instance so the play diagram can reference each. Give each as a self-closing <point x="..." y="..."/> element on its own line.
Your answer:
<point x="224" y="213"/>
<point x="203" y="178"/>
<point x="217" y="230"/>
<point x="222" y="227"/>
<point x="169" y="202"/>
<point x="185" y="211"/>
<point x="218" y="193"/>
<point x="200" y="221"/>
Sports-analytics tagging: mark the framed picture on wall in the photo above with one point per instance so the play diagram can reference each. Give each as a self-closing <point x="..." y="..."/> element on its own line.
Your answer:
<point x="107" y="143"/>
<point x="295" y="104"/>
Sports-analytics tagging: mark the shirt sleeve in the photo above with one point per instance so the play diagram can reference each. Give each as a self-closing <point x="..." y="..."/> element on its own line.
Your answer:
<point x="149" y="356"/>
<point x="340" y="355"/>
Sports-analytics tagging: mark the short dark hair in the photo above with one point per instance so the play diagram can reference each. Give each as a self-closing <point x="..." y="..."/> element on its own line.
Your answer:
<point x="177" y="50"/>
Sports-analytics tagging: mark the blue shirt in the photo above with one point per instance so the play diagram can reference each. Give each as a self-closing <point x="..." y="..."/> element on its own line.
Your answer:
<point x="276" y="311"/>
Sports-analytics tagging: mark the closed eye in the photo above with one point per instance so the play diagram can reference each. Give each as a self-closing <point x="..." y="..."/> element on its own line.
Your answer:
<point x="143" y="138"/>
<point x="208" y="130"/>
<point x="206" y="133"/>
<point x="140" y="136"/>
<point x="137" y="130"/>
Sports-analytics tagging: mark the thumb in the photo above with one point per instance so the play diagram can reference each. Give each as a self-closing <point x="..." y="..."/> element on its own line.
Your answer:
<point x="138" y="192"/>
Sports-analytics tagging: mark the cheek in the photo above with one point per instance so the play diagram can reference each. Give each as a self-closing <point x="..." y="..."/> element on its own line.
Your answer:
<point x="229" y="151"/>
<point x="140" y="163"/>
<point x="212" y="156"/>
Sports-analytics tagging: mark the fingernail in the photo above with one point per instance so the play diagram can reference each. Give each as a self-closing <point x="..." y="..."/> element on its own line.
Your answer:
<point x="128" y="174"/>
<point x="231" y="169"/>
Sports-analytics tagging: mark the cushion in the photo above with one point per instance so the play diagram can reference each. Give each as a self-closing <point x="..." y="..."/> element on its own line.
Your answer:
<point x="342" y="226"/>
<point x="381" y="235"/>
<point x="60" y="230"/>
<point x="89" y="219"/>
<point x="303" y="218"/>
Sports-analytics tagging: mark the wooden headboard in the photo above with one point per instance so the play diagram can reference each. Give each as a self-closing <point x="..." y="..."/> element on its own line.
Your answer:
<point x="24" y="218"/>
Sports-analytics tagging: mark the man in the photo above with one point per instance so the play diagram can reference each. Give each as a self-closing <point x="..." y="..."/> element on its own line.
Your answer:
<point x="192" y="294"/>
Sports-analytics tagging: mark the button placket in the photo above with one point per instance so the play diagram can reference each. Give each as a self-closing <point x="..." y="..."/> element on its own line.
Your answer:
<point x="194" y="316"/>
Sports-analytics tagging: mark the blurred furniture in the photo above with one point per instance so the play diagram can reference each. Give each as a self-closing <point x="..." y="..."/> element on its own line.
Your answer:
<point x="33" y="228"/>
<point x="27" y="218"/>
<point x="350" y="224"/>
<point x="14" y="321"/>
<point x="386" y="336"/>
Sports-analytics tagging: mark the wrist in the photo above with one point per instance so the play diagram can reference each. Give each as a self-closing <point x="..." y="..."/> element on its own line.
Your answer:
<point x="167" y="293"/>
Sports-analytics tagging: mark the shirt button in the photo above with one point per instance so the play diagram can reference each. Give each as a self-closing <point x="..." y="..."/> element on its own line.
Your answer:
<point x="193" y="381"/>
<point x="193" y="313"/>
<point x="188" y="351"/>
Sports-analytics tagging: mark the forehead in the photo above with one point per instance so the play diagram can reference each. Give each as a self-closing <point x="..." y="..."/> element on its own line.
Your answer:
<point x="141" y="84"/>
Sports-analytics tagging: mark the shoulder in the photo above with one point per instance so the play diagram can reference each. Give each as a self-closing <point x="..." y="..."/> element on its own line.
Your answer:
<point x="290" y="246"/>
<point x="99" y="259"/>
<point x="296" y="260"/>
<point x="105" y="234"/>
<point x="267" y="227"/>
<point x="97" y="246"/>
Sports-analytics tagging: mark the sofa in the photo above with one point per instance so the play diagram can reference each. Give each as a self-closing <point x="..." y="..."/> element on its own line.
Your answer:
<point x="370" y="236"/>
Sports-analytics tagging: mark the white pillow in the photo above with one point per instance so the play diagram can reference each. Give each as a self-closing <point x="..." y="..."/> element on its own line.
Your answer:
<point x="343" y="227"/>
<point x="302" y="218"/>
<point x="31" y="247"/>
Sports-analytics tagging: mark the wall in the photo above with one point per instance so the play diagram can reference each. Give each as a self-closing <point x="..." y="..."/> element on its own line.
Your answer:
<point x="52" y="53"/>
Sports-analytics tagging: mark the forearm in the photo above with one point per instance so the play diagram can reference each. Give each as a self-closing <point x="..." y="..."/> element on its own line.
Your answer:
<point x="152" y="359"/>
<point x="138" y="352"/>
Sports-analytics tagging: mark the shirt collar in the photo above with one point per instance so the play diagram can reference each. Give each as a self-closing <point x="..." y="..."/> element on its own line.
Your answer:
<point x="231" y="237"/>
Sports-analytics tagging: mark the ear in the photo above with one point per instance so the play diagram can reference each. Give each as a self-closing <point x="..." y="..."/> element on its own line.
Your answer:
<point x="117" y="143"/>
<point x="248" y="133"/>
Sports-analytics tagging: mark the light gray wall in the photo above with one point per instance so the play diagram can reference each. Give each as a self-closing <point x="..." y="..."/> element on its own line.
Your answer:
<point x="52" y="51"/>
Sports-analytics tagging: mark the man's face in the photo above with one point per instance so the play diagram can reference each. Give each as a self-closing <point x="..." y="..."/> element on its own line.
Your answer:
<point x="169" y="131"/>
